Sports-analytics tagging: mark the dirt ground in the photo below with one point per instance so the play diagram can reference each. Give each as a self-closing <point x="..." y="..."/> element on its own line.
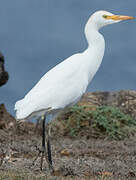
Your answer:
<point x="79" y="158"/>
<point x="73" y="158"/>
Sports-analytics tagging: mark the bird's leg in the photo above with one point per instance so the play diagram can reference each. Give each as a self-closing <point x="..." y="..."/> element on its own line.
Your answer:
<point x="46" y="150"/>
<point x="44" y="153"/>
<point x="37" y="155"/>
<point x="49" y="148"/>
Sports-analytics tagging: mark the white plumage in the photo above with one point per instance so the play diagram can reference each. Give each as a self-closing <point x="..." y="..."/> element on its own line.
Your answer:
<point x="65" y="84"/>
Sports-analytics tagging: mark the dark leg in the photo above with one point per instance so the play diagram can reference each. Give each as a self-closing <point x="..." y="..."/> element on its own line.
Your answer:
<point x="43" y="132"/>
<point x="49" y="149"/>
<point x="37" y="155"/>
<point x="44" y="153"/>
<point x="46" y="150"/>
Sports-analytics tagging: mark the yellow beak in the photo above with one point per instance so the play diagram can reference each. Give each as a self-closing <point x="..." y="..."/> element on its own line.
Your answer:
<point x="120" y="17"/>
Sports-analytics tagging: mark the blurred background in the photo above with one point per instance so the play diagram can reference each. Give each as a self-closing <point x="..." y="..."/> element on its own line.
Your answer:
<point x="35" y="35"/>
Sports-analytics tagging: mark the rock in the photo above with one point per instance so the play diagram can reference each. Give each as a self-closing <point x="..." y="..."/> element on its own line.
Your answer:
<point x="124" y="99"/>
<point x="6" y="120"/>
<point x="3" y="74"/>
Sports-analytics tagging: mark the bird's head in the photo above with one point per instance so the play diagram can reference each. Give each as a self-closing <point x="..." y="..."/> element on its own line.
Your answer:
<point x="103" y="18"/>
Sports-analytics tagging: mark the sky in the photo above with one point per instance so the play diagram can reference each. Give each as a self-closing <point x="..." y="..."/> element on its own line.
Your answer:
<point x="35" y="35"/>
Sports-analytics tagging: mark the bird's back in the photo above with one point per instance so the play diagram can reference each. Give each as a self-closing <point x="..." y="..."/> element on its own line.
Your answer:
<point x="61" y="86"/>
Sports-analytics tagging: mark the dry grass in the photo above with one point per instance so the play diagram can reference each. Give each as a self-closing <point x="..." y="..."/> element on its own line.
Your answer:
<point x="14" y="175"/>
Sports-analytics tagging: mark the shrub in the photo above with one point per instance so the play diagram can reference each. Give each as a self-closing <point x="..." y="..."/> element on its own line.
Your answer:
<point x="105" y="121"/>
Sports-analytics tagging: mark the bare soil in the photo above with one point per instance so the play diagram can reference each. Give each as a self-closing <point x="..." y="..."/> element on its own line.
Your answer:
<point x="73" y="158"/>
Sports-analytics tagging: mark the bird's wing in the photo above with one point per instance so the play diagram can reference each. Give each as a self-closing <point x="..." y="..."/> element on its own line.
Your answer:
<point x="61" y="86"/>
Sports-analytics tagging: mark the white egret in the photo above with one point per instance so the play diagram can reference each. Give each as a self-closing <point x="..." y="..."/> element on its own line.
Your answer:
<point x="65" y="84"/>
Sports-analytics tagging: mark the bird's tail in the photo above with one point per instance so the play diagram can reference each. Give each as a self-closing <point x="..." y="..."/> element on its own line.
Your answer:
<point x="22" y="110"/>
<point x="18" y="104"/>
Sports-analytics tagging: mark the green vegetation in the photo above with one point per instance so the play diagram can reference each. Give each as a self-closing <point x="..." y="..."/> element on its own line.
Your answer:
<point x="105" y="121"/>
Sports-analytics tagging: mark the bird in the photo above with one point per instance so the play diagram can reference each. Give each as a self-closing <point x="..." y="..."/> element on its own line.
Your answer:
<point x="65" y="84"/>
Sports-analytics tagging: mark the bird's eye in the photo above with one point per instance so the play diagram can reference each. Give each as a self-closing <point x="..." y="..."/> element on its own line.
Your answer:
<point x="105" y="16"/>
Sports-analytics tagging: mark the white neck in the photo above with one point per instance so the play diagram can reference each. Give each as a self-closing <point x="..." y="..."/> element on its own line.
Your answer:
<point x="92" y="35"/>
<point x="95" y="50"/>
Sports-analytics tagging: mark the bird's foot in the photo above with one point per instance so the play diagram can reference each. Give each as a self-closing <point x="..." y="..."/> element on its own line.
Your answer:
<point x="48" y="160"/>
<point x="38" y="155"/>
<point x="43" y="154"/>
